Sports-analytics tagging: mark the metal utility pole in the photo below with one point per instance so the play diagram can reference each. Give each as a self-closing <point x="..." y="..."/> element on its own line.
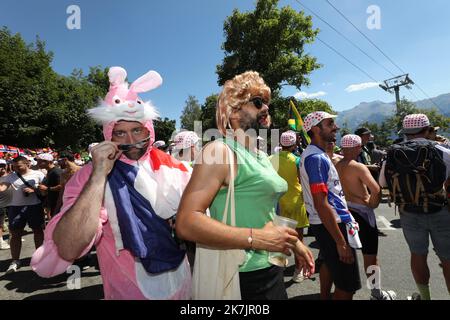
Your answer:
<point x="395" y="83"/>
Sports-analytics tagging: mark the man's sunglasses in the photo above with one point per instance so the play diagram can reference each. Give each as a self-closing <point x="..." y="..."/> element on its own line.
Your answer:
<point x="139" y="145"/>
<point x="258" y="102"/>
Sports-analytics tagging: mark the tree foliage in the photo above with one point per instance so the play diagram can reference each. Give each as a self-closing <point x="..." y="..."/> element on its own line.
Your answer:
<point x="208" y="116"/>
<point x="271" y="41"/>
<point x="191" y="112"/>
<point x="164" y="129"/>
<point x="387" y="132"/>
<point x="279" y="109"/>
<point x="40" y="108"/>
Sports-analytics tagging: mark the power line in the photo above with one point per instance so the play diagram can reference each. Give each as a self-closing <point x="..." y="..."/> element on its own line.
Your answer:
<point x="344" y="57"/>
<point x="364" y="35"/>
<point x="351" y="42"/>
<point x="346" y="38"/>
<point x="382" y="52"/>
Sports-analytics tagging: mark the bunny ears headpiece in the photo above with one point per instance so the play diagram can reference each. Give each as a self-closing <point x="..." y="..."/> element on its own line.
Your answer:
<point x="122" y="102"/>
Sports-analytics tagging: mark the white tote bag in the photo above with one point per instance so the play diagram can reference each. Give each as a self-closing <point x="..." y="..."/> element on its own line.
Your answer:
<point x="216" y="271"/>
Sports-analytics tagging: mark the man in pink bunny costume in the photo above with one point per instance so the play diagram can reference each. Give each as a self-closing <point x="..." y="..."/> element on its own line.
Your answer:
<point x="121" y="202"/>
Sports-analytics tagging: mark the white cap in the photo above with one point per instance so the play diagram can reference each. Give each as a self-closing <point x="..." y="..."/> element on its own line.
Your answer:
<point x="185" y="140"/>
<point x="288" y="138"/>
<point x="351" y="141"/>
<point x="159" y="143"/>
<point x="45" y="156"/>
<point x="314" y="118"/>
<point x="414" y="123"/>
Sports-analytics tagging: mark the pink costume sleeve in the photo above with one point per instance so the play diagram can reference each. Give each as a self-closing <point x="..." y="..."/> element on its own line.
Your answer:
<point x="45" y="261"/>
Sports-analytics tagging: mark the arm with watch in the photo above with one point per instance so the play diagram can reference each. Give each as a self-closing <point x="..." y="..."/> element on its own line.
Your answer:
<point x="53" y="178"/>
<point x="194" y="225"/>
<point x="45" y="189"/>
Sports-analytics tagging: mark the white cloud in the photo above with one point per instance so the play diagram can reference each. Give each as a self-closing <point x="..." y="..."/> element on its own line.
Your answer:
<point x="305" y="95"/>
<point x="361" y="86"/>
<point x="326" y="84"/>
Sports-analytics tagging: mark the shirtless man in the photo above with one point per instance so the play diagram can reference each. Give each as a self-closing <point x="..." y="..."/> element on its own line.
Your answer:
<point x="357" y="181"/>
<point x="335" y="158"/>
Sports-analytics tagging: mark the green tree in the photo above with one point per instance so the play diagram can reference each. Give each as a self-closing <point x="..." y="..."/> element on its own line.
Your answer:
<point x="383" y="134"/>
<point x="271" y="41"/>
<point x="208" y="116"/>
<point x="40" y="108"/>
<point x="164" y="129"/>
<point x="191" y="112"/>
<point x="27" y="86"/>
<point x="345" y="129"/>
<point x="407" y="107"/>
<point x="387" y="132"/>
<point x="69" y="118"/>
<point x="404" y="108"/>
<point x="279" y="109"/>
<point x="437" y="119"/>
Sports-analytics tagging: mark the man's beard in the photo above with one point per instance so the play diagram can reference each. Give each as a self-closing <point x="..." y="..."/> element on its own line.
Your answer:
<point x="247" y="122"/>
<point x="135" y="153"/>
<point x="330" y="137"/>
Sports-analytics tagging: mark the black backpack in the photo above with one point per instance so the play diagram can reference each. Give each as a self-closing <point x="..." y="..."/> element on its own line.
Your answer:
<point x="415" y="174"/>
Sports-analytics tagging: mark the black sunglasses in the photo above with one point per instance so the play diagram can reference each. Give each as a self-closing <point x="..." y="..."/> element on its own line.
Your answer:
<point x="140" y="145"/>
<point x="258" y="102"/>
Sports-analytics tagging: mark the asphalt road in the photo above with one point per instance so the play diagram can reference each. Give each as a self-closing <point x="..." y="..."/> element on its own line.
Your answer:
<point x="393" y="256"/>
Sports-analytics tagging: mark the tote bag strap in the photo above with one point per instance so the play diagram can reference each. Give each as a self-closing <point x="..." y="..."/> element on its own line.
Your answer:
<point x="230" y="194"/>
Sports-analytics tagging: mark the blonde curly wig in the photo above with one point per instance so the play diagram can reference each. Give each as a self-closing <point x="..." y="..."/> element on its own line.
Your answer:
<point x="236" y="92"/>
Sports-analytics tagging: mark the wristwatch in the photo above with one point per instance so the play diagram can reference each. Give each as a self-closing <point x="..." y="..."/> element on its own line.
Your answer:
<point x="250" y="238"/>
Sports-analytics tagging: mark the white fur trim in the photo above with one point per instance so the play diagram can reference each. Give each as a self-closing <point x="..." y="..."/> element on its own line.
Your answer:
<point x="105" y="113"/>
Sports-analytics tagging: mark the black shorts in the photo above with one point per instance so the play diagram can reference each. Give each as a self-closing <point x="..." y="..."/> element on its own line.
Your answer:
<point x="264" y="284"/>
<point x="345" y="276"/>
<point x="19" y="216"/>
<point x="367" y="234"/>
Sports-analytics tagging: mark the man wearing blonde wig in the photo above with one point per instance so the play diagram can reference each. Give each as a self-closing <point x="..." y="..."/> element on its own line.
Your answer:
<point x="242" y="109"/>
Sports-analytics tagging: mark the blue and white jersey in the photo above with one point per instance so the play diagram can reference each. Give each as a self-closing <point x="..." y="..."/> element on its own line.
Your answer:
<point x="318" y="174"/>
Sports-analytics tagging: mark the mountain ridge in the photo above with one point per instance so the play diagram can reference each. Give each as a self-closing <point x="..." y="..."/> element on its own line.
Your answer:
<point x="376" y="111"/>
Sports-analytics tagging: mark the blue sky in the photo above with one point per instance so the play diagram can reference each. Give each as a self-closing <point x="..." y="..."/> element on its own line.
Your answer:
<point x="182" y="39"/>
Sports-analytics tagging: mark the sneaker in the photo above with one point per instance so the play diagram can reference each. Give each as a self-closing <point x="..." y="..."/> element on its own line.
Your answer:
<point x="13" y="267"/>
<point x="385" y="295"/>
<point x="298" y="276"/>
<point x="4" y="245"/>
<point x="414" y="296"/>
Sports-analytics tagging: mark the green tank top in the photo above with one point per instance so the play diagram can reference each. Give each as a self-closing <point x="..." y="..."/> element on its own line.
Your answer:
<point x="257" y="189"/>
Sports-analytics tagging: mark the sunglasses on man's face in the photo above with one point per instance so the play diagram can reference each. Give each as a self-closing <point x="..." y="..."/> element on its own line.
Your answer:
<point x="139" y="145"/>
<point x="258" y="102"/>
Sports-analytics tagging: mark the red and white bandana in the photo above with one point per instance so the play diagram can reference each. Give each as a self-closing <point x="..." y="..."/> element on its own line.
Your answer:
<point x="288" y="138"/>
<point x="45" y="157"/>
<point x="415" y="121"/>
<point x="185" y="139"/>
<point x="314" y="118"/>
<point x="350" y="141"/>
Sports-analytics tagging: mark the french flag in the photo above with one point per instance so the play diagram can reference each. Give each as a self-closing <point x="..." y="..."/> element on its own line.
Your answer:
<point x="145" y="195"/>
